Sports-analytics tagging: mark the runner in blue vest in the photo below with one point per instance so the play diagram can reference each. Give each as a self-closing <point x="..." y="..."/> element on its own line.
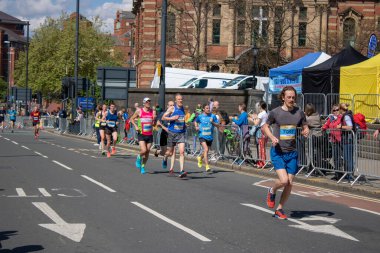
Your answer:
<point x="205" y="123"/>
<point x="12" y="117"/>
<point x="176" y="135"/>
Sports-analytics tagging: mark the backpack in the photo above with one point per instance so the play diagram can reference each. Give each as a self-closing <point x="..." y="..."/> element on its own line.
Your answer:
<point x="360" y="124"/>
<point x="224" y="116"/>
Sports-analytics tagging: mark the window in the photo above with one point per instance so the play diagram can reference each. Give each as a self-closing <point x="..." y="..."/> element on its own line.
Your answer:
<point x="303" y="14"/>
<point x="278" y="13"/>
<point x="240" y="9"/>
<point x="277" y="33"/>
<point x="170" y="33"/>
<point x="240" y="32"/>
<point x="302" y="34"/>
<point x="215" y="68"/>
<point x="118" y="25"/>
<point x="216" y="10"/>
<point x="349" y="32"/>
<point x="216" y="31"/>
<point x="260" y="23"/>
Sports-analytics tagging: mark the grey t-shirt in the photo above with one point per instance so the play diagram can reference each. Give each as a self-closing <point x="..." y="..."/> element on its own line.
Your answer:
<point x="285" y="125"/>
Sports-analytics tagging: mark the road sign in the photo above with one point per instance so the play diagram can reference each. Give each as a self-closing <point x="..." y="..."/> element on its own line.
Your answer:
<point x="372" y="45"/>
<point x="86" y="103"/>
<point x="21" y="94"/>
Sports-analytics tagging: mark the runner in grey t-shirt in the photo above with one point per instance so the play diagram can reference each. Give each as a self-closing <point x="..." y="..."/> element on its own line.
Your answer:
<point x="285" y="120"/>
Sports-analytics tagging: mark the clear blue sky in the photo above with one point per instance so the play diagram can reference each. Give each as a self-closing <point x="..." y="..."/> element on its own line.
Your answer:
<point x="37" y="10"/>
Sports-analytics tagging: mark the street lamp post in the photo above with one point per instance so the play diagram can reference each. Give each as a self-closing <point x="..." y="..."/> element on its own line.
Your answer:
<point x="161" y="92"/>
<point x="255" y="52"/>
<point x="74" y="101"/>
<point x="9" y="69"/>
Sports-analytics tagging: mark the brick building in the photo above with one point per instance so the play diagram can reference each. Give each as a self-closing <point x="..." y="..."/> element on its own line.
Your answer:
<point x="12" y="40"/>
<point x="123" y="35"/>
<point x="219" y="35"/>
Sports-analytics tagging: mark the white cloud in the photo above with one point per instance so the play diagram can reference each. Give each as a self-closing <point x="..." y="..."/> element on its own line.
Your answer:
<point x="36" y="11"/>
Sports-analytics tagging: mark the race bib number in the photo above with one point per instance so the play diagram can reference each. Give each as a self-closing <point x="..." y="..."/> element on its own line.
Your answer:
<point x="111" y="123"/>
<point x="288" y="132"/>
<point x="206" y="131"/>
<point x="35" y="118"/>
<point x="147" y="128"/>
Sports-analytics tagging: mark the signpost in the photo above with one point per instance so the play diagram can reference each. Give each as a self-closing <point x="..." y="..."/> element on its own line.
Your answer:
<point x="115" y="82"/>
<point x="87" y="103"/>
<point x="372" y="45"/>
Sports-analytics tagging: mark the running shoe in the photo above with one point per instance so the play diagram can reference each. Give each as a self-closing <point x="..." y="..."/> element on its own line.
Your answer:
<point x="138" y="162"/>
<point x="108" y="154"/>
<point x="280" y="214"/>
<point x="182" y="174"/>
<point x="142" y="169"/>
<point x="164" y="163"/>
<point x="199" y="161"/>
<point x="171" y="171"/>
<point x="271" y="199"/>
<point x="208" y="169"/>
<point x="113" y="150"/>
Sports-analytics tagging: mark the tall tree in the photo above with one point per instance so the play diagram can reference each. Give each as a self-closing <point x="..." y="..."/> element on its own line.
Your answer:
<point x="52" y="53"/>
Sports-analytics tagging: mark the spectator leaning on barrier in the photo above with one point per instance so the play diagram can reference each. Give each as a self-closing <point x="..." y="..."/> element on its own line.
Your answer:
<point x="376" y="133"/>
<point x="284" y="120"/>
<point x="348" y="126"/>
<point x="243" y="116"/>
<point x="335" y="136"/>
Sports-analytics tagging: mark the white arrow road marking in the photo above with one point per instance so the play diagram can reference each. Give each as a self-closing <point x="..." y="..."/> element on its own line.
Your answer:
<point x="73" y="231"/>
<point x="21" y="193"/>
<point x="44" y="192"/>
<point x="315" y="217"/>
<point x="14" y="142"/>
<point x="25" y="147"/>
<point x="7" y="139"/>
<point x="364" y="210"/>
<point x="172" y="222"/>
<point x="98" y="183"/>
<point x="324" y="229"/>
<point x="62" y="165"/>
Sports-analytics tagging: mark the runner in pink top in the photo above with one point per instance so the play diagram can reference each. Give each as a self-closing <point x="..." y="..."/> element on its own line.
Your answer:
<point x="146" y="117"/>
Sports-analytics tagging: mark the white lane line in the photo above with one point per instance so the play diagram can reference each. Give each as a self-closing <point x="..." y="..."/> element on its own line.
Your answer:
<point x="14" y="142"/>
<point x="93" y="156"/>
<point x="44" y="192"/>
<point x="44" y="156"/>
<point x="63" y="147"/>
<point x="62" y="165"/>
<point x="7" y="139"/>
<point x="364" y="210"/>
<point x="84" y="154"/>
<point x="98" y="183"/>
<point x="20" y="192"/>
<point x="25" y="147"/>
<point x="170" y="221"/>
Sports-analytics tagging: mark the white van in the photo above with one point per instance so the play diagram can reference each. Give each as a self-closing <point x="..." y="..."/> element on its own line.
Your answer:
<point x="210" y="80"/>
<point x="240" y="83"/>
<point x="174" y="77"/>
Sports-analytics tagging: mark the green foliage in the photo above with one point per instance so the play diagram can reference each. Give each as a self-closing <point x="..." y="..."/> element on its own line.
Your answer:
<point x="52" y="54"/>
<point x="3" y="89"/>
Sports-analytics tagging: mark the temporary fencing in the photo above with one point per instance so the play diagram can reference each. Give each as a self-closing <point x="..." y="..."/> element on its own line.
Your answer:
<point x="317" y="99"/>
<point x="367" y="155"/>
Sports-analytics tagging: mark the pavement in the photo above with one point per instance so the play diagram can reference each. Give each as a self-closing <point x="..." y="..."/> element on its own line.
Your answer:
<point x="59" y="195"/>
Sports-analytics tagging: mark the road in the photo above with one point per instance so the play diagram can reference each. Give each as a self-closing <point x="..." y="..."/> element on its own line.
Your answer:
<point x="57" y="195"/>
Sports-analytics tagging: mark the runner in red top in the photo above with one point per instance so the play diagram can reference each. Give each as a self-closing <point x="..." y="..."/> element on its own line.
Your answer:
<point x="36" y="117"/>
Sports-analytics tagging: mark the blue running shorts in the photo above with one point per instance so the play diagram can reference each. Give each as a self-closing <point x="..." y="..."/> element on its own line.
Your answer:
<point x="284" y="160"/>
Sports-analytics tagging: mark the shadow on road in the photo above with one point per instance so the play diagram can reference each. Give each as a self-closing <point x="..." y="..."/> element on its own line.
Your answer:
<point x="5" y="235"/>
<point x="302" y="214"/>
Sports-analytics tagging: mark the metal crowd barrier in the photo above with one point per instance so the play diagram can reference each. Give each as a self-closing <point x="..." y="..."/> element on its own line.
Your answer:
<point x="367" y="155"/>
<point x="318" y="100"/>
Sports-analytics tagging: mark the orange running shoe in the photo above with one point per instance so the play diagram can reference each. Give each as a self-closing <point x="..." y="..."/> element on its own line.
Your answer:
<point x="271" y="199"/>
<point x="280" y="214"/>
<point x="108" y="154"/>
<point x="113" y="150"/>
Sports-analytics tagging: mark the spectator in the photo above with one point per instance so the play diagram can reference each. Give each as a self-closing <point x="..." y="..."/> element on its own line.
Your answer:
<point x="259" y="120"/>
<point x="243" y="117"/>
<point x="347" y="127"/>
<point x="313" y="118"/>
<point x="376" y="133"/>
<point x="332" y="126"/>
<point x="137" y="106"/>
<point x="187" y="113"/>
<point x="211" y="103"/>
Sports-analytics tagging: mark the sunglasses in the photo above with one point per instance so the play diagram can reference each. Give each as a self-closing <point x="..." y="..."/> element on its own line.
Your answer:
<point x="336" y="110"/>
<point x="147" y="101"/>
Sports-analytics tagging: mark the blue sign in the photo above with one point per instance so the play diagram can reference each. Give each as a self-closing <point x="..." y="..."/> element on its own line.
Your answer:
<point x="86" y="103"/>
<point x="372" y="45"/>
<point x="277" y="83"/>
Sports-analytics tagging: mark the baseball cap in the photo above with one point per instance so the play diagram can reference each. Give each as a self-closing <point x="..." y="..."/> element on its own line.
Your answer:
<point x="146" y="99"/>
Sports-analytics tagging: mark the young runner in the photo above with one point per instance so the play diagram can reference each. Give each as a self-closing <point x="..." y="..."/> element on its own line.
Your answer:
<point x="12" y="117"/>
<point x="35" y="115"/>
<point x="146" y="116"/>
<point x="205" y="123"/>
<point x="2" y="117"/>
<point x="285" y="120"/>
<point x="111" y="117"/>
<point x="102" y="127"/>
<point x="176" y="135"/>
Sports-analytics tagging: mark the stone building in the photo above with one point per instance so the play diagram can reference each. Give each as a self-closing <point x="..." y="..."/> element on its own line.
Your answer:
<point x="12" y="40"/>
<point x="123" y="35"/>
<point x="218" y="35"/>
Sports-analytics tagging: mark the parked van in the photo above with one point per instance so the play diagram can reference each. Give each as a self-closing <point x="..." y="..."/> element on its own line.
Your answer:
<point x="240" y="83"/>
<point x="210" y="80"/>
<point x="174" y="77"/>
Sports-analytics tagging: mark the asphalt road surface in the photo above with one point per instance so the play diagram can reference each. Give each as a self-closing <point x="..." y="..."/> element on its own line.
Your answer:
<point x="57" y="195"/>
